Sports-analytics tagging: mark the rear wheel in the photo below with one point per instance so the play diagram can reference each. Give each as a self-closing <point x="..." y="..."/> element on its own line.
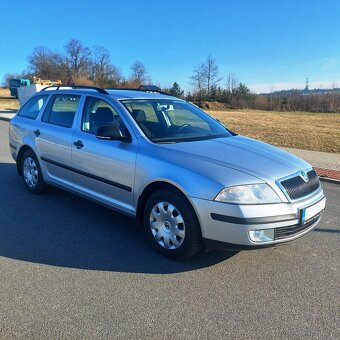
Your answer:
<point x="31" y="173"/>
<point x="171" y="225"/>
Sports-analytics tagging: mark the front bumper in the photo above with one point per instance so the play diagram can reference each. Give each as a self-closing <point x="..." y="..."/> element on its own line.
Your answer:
<point x="231" y="223"/>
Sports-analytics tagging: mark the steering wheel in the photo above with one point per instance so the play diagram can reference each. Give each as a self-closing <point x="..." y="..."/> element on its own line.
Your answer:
<point x="182" y="127"/>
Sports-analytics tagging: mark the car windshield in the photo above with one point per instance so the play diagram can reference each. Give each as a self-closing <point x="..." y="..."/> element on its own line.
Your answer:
<point x="173" y="121"/>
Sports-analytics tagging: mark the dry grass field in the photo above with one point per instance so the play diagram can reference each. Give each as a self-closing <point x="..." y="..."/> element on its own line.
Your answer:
<point x="6" y="101"/>
<point x="302" y="130"/>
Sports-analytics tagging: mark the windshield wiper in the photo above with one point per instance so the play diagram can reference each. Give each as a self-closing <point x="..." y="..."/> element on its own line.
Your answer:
<point x="167" y="142"/>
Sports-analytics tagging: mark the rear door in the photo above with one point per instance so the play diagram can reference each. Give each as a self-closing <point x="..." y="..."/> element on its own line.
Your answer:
<point x="54" y="136"/>
<point x="103" y="169"/>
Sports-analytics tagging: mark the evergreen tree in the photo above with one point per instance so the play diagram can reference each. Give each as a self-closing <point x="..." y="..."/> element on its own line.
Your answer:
<point x="176" y="90"/>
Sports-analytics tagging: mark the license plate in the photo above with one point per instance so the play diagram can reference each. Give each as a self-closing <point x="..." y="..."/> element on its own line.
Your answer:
<point x="308" y="213"/>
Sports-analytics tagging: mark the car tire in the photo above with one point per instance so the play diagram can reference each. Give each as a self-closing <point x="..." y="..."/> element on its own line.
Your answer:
<point x="31" y="173"/>
<point x="171" y="225"/>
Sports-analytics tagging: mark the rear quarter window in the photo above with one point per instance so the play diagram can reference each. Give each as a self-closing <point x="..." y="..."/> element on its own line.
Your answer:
<point x="33" y="106"/>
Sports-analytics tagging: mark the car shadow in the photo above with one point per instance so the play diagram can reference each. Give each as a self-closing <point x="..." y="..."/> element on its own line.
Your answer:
<point x="61" y="229"/>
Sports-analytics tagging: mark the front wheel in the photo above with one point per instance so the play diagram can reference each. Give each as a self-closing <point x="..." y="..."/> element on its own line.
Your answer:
<point x="171" y="225"/>
<point x="31" y="173"/>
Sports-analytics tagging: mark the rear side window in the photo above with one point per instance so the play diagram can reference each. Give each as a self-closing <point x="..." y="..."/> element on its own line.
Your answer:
<point x="61" y="110"/>
<point x="32" y="108"/>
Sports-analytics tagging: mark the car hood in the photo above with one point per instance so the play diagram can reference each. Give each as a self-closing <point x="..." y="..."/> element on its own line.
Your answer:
<point x="244" y="154"/>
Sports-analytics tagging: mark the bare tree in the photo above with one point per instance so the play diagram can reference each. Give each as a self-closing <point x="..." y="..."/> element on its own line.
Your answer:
<point x="114" y="76"/>
<point x="197" y="81"/>
<point x="211" y="74"/>
<point x="103" y="73"/>
<point x="46" y="64"/>
<point x="232" y="82"/>
<point x="77" y="58"/>
<point x="206" y="78"/>
<point x="101" y="65"/>
<point x="139" y="73"/>
<point x="231" y="86"/>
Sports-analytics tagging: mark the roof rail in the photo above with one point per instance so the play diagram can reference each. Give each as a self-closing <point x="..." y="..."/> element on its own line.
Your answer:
<point x="142" y="88"/>
<point x="57" y="87"/>
<point x="153" y="88"/>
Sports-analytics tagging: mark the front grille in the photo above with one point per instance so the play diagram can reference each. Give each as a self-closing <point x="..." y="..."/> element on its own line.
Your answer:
<point x="284" y="232"/>
<point x="297" y="188"/>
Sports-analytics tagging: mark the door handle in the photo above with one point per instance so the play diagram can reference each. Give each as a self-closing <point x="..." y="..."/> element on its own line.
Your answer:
<point x="79" y="144"/>
<point x="37" y="132"/>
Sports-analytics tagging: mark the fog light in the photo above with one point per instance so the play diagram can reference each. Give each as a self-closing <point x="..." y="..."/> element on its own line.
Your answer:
<point x="264" y="235"/>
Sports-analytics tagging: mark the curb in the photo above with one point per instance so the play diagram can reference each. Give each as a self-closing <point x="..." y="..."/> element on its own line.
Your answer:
<point x="328" y="175"/>
<point x="329" y="180"/>
<point x="5" y="119"/>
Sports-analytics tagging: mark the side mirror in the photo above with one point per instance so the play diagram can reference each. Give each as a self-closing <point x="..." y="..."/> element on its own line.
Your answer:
<point x="112" y="132"/>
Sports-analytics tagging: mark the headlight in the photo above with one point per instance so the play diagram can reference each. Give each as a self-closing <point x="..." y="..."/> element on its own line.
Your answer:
<point x="248" y="194"/>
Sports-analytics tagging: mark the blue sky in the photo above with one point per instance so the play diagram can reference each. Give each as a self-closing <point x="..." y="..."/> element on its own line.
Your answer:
<point x="269" y="45"/>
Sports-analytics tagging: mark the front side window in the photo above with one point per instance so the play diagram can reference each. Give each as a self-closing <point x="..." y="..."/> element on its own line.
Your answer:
<point x="98" y="113"/>
<point x="32" y="108"/>
<point x="61" y="110"/>
<point x="173" y="121"/>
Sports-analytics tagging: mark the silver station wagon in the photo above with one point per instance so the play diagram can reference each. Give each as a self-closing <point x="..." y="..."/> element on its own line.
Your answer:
<point x="186" y="178"/>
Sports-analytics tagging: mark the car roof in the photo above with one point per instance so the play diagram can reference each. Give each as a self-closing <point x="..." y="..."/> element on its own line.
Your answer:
<point x="118" y="94"/>
<point x="131" y="94"/>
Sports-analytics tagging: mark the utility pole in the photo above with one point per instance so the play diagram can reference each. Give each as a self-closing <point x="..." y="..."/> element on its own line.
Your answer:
<point x="306" y="87"/>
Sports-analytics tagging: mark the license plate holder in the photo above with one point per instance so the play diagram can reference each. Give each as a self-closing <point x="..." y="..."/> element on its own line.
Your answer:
<point x="309" y="213"/>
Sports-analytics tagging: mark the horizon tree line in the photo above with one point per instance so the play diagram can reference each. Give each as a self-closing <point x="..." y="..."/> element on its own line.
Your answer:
<point x="81" y="65"/>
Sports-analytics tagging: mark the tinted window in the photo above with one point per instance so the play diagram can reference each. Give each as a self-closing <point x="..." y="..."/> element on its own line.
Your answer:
<point x="32" y="108"/>
<point x="98" y="113"/>
<point x="61" y="110"/>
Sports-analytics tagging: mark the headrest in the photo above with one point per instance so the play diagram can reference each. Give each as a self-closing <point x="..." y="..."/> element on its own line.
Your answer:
<point x="103" y="115"/>
<point x="139" y="115"/>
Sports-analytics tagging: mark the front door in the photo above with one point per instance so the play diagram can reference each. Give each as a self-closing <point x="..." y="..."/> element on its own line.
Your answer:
<point x="103" y="169"/>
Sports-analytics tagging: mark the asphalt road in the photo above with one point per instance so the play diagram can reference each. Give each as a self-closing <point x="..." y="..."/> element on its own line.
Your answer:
<point x="70" y="268"/>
